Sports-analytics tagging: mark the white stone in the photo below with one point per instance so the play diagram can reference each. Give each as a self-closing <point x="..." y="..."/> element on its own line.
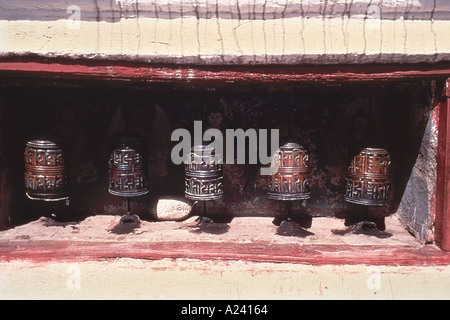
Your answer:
<point x="171" y="208"/>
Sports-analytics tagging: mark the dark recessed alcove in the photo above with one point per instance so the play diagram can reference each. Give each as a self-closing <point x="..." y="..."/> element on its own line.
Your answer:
<point x="331" y="121"/>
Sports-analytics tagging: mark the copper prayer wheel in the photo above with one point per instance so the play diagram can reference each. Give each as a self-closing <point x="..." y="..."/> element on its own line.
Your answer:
<point x="290" y="179"/>
<point x="46" y="175"/>
<point x="203" y="174"/>
<point x="127" y="174"/>
<point x="368" y="181"/>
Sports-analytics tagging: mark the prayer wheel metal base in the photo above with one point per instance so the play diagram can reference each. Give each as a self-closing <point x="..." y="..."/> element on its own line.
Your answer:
<point x="368" y="181"/>
<point x="46" y="177"/>
<point x="291" y="180"/>
<point x="129" y="217"/>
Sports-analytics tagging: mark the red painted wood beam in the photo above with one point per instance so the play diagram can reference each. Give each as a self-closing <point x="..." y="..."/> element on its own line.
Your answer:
<point x="66" y="251"/>
<point x="130" y="71"/>
<point x="442" y="219"/>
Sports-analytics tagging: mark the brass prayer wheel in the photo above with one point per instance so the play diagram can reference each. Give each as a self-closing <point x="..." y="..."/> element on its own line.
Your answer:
<point x="203" y="174"/>
<point x="127" y="174"/>
<point x="46" y="176"/>
<point x="290" y="179"/>
<point x="368" y="181"/>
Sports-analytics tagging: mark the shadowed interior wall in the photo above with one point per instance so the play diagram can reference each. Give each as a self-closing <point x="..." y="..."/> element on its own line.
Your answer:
<point x="332" y="121"/>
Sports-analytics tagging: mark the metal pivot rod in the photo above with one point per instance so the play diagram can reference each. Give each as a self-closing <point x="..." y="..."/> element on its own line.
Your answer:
<point x="201" y="216"/>
<point x="288" y="205"/>
<point x="128" y="217"/>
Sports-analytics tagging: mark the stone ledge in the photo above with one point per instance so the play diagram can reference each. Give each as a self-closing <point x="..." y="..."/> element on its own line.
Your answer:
<point x="253" y="239"/>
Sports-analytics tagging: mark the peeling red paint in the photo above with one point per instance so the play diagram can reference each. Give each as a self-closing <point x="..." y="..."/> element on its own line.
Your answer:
<point x="433" y="199"/>
<point x="442" y="220"/>
<point x="62" y="251"/>
<point x="127" y="71"/>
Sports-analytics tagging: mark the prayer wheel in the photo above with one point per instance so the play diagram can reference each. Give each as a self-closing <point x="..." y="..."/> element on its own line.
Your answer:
<point x="46" y="176"/>
<point x="203" y="174"/>
<point x="290" y="178"/>
<point x="368" y="181"/>
<point x="127" y="173"/>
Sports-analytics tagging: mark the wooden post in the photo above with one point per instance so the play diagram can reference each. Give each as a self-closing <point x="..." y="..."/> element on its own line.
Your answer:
<point x="4" y="214"/>
<point x="442" y="220"/>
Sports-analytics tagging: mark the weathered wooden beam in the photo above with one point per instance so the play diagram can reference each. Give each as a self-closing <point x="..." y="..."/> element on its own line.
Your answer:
<point x="442" y="219"/>
<point x="67" y="251"/>
<point x="127" y="71"/>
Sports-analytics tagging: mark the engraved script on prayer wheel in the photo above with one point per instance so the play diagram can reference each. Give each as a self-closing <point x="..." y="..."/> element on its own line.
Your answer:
<point x="127" y="175"/>
<point x="368" y="181"/>
<point x="290" y="180"/>
<point x="46" y="176"/>
<point x="203" y="175"/>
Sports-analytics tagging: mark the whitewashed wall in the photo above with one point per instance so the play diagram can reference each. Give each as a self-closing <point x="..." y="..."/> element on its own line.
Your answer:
<point x="229" y="31"/>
